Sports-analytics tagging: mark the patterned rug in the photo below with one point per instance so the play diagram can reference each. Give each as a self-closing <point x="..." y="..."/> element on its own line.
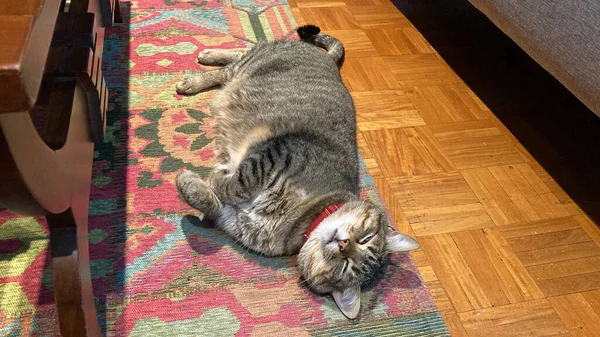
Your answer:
<point x="156" y="270"/>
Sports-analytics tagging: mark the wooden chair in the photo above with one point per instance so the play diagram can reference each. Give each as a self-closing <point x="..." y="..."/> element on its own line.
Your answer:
<point x="53" y="103"/>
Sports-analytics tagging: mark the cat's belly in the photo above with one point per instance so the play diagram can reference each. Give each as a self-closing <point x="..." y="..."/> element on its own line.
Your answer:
<point x="237" y="146"/>
<point x="236" y="129"/>
<point x="263" y="224"/>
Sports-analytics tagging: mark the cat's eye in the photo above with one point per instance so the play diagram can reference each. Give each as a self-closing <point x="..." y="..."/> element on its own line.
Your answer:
<point x="366" y="239"/>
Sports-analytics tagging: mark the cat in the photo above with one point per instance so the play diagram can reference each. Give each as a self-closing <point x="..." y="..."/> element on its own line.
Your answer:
<point x="286" y="179"/>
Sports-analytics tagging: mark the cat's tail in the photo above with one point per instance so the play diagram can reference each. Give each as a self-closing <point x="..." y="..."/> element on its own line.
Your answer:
<point x="334" y="47"/>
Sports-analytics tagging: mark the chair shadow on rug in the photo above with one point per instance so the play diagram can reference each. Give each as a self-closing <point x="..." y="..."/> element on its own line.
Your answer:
<point x="195" y="230"/>
<point x="206" y="239"/>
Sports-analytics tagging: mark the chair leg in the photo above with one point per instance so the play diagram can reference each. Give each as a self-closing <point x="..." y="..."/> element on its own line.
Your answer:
<point x="118" y="17"/>
<point x="71" y="275"/>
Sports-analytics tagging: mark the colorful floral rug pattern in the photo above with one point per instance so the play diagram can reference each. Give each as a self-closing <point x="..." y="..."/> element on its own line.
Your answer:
<point x="156" y="270"/>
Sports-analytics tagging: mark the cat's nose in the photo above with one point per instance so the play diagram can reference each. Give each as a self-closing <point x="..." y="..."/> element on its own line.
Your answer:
<point x="343" y="244"/>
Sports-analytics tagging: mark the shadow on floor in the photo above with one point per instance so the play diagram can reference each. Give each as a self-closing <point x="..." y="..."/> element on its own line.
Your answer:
<point x="559" y="131"/>
<point x="108" y="197"/>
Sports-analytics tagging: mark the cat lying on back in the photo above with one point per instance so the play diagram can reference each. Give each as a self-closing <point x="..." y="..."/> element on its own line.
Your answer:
<point x="286" y="178"/>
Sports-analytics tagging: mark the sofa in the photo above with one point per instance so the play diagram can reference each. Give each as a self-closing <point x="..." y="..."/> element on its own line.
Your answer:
<point x="563" y="36"/>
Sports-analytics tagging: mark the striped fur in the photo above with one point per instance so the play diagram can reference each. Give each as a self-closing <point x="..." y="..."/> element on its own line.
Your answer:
<point x="286" y="149"/>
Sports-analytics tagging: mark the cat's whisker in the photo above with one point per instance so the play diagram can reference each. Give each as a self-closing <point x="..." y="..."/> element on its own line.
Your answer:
<point x="306" y="280"/>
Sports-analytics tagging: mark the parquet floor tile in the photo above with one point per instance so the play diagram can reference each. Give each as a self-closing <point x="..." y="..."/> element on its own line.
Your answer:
<point x="504" y="250"/>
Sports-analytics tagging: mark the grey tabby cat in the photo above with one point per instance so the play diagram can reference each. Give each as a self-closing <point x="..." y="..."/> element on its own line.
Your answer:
<point x="286" y="178"/>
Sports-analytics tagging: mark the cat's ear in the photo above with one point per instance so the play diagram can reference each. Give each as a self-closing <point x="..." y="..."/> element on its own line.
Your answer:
<point x="348" y="301"/>
<point x="398" y="242"/>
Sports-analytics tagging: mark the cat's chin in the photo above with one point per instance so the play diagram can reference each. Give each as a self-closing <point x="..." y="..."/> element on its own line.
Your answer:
<point x="322" y="249"/>
<point x="326" y="232"/>
<point x="329" y="237"/>
<point x="327" y="243"/>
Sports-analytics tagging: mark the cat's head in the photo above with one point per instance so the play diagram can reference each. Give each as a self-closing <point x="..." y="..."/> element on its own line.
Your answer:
<point x="346" y="249"/>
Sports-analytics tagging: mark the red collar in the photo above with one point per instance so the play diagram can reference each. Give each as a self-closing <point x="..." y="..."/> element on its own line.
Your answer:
<point x="327" y="212"/>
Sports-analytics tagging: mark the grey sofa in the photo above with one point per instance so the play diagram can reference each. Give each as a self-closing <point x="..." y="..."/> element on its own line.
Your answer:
<point x="563" y="36"/>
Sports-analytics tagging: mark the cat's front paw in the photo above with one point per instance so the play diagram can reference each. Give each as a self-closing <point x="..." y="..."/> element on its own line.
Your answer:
<point x="185" y="179"/>
<point x="197" y="193"/>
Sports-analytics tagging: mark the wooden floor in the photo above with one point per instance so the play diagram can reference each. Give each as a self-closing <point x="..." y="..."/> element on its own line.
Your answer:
<point x="505" y="251"/>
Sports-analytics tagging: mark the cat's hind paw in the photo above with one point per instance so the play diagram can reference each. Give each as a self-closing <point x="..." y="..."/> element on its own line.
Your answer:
<point x="209" y="57"/>
<point x="203" y="81"/>
<point x="219" y="57"/>
<point x="188" y="86"/>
